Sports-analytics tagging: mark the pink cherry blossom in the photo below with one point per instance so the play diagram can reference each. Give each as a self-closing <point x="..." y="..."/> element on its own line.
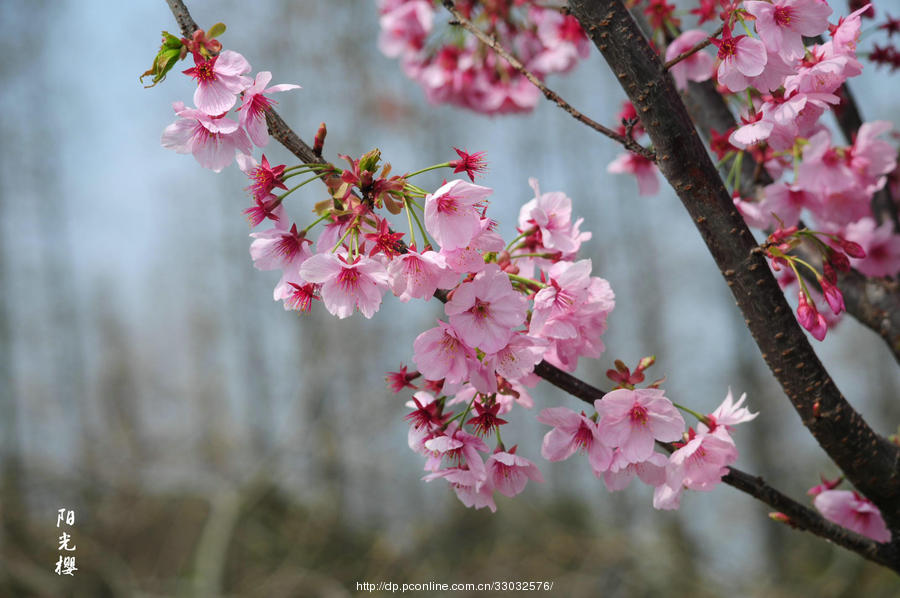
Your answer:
<point x="518" y="358"/>
<point x="486" y="310"/>
<point x="472" y="488"/>
<point x="457" y="447"/>
<point x="730" y="413"/>
<point x="404" y="27"/>
<point x="651" y="471"/>
<point x="872" y="158"/>
<point x="642" y="168"/>
<point x="855" y="512"/>
<point x="781" y="202"/>
<point x="633" y="419"/>
<point x="702" y="461"/>
<point x="346" y="286"/>
<point x="440" y="354"/>
<point x="279" y="248"/>
<point x="846" y="35"/>
<point x="556" y="305"/>
<point x="418" y="275"/>
<point x="590" y="323"/>
<point x="452" y="214"/>
<point x="254" y="105"/>
<point x="741" y="57"/>
<point x="470" y="259"/>
<point x="508" y="472"/>
<point x="551" y="213"/>
<point x="697" y="67"/>
<point x="264" y="177"/>
<point x="219" y="80"/>
<point x="881" y="245"/>
<point x="213" y="141"/>
<point x="562" y="38"/>
<point x="573" y="432"/>
<point x="782" y="24"/>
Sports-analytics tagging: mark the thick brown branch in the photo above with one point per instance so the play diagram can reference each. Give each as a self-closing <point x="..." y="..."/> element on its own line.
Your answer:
<point x="874" y="302"/>
<point x="869" y="461"/>
<point x="491" y="42"/>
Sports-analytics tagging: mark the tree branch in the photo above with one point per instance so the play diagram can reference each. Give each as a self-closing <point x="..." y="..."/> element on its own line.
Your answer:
<point x="874" y="302"/>
<point x="799" y="515"/>
<point x="868" y="460"/>
<point x="490" y="41"/>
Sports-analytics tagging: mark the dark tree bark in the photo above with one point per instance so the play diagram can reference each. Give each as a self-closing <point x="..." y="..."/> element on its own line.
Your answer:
<point x="868" y="460"/>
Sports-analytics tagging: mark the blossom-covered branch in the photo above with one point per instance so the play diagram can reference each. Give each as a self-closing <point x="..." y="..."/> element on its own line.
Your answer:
<point x="627" y="141"/>
<point x="873" y="301"/>
<point x="869" y="461"/>
<point x="482" y="358"/>
<point x="792" y="512"/>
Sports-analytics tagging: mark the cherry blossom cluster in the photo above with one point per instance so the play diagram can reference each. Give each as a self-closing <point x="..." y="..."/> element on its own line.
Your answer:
<point x="507" y="306"/>
<point x="621" y="437"/>
<point x="783" y="89"/>
<point x="205" y="130"/>
<point x="835" y="253"/>
<point x="452" y="67"/>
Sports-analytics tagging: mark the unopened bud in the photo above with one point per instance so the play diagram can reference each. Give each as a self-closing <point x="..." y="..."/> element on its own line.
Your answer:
<point x="646" y="362"/>
<point x="839" y="261"/>
<point x="853" y="249"/>
<point x="319" y="141"/>
<point x="369" y="161"/>
<point x="780" y="517"/>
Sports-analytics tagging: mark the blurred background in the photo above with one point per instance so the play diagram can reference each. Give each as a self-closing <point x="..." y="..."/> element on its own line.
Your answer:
<point x="211" y="443"/>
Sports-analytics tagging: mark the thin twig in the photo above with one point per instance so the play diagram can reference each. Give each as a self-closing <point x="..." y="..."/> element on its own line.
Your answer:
<point x="491" y="42"/>
<point x="694" y="50"/>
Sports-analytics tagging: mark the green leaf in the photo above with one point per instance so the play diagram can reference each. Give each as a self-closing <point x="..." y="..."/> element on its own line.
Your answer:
<point x="215" y="31"/>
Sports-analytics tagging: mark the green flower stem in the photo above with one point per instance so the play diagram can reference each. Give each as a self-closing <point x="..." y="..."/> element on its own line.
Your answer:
<point x="316" y="221"/>
<point x="700" y="417"/>
<point x="341" y="240"/>
<point x="412" y="232"/>
<point x="291" y="190"/>
<point x="435" y="167"/>
<point x="525" y="281"/>
<point x="521" y="236"/>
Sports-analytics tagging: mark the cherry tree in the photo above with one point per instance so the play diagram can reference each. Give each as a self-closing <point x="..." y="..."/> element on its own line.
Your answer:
<point x="733" y="114"/>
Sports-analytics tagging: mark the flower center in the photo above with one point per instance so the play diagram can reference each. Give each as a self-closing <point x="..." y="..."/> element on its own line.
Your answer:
<point x="727" y="48"/>
<point x="447" y="205"/>
<point x="480" y="309"/>
<point x="638" y="415"/>
<point x="348" y="279"/>
<point x="204" y="71"/>
<point x="783" y="16"/>
<point x="583" y="437"/>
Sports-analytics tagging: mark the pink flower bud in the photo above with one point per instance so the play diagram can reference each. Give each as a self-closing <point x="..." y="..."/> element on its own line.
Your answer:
<point x="833" y="296"/>
<point x="319" y="141"/>
<point x="839" y="261"/>
<point x="853" y="249"/>
<point x="810" y="318"/>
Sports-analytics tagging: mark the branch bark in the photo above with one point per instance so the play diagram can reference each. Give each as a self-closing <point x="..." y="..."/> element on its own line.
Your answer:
<point x="874" y="302"/>
<point x="868" y="460"/>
